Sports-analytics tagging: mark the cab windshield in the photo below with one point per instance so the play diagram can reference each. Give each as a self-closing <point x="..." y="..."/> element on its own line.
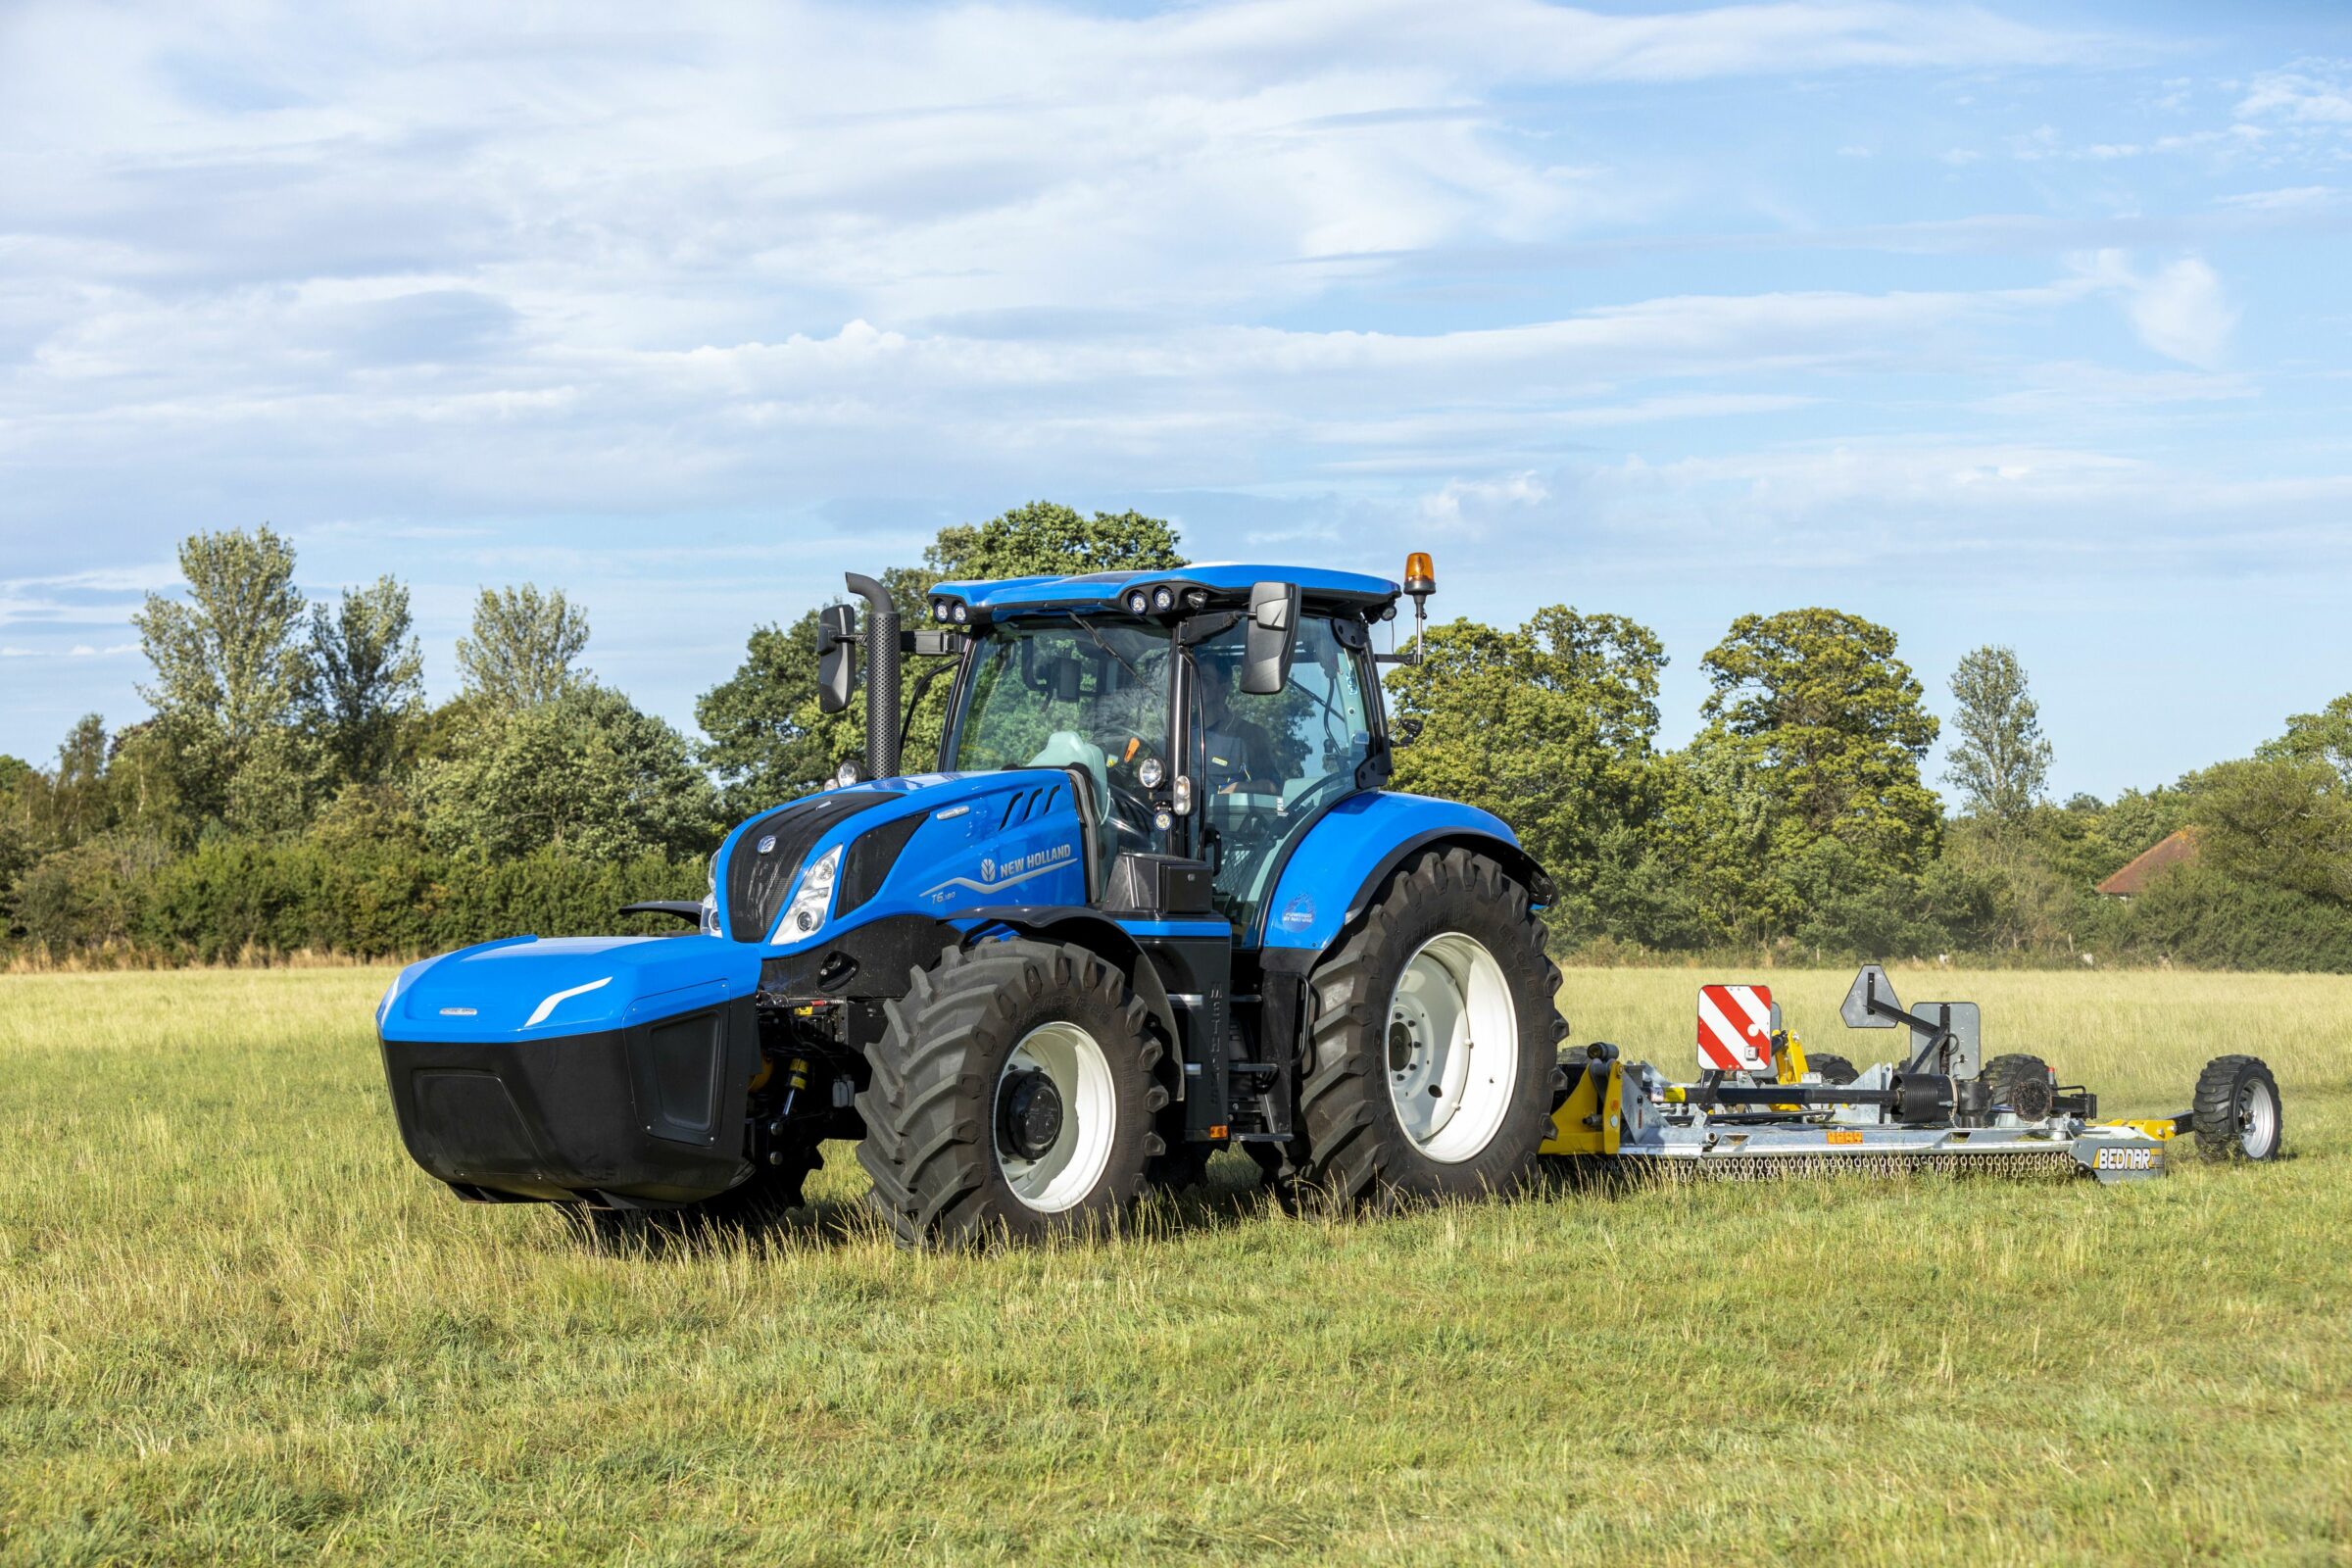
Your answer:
<point x="1065" y="693"/>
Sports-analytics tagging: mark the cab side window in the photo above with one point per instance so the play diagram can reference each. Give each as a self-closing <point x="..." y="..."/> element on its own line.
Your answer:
<point x="1270" y="764"/>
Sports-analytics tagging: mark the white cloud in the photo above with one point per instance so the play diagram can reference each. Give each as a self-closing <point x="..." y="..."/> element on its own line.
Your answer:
<point x="2181" y="310"/>
<point x="1466" y="508"/>
<point x="2318" y="92"/>
<point x="2182" y="313"/>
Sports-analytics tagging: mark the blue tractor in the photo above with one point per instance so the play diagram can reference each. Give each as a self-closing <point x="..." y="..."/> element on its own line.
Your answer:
<point x="1157" y="901"/>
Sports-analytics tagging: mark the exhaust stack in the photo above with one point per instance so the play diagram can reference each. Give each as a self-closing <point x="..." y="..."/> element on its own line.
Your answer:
<point x="881" y="676"/>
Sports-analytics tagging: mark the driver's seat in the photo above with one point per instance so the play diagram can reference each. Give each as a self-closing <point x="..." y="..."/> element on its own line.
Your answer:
<point x="1067" y="748"/>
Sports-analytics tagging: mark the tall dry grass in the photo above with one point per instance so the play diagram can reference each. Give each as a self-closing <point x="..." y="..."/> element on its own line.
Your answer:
<point x="237" y="1324"/>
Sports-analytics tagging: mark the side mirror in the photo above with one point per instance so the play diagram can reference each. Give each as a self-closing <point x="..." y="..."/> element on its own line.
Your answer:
<point x="836" y="657"/>
<point x="1404" y="731"/>
<point x="1273" y="634"/>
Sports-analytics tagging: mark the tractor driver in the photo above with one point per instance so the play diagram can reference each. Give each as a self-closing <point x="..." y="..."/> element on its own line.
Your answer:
<point x="1238" y="755"/>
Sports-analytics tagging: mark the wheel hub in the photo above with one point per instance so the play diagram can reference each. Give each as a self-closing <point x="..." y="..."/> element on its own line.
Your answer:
<point x="1452" y="1045"/>
<point x="1400" y="1046"/>
<point x="1028" y="1114"/>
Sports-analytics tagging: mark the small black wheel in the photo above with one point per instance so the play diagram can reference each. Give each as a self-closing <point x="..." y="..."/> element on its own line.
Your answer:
<point x="1834" y="1068"/>
<point x="1433" y="1045"/>
<point x="1012" y="1096"/>
<point x="2020" y="1085"/>
<point x="2237" y="1113"/>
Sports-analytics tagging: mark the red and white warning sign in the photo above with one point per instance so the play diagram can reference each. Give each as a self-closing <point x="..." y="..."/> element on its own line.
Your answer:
<point x="1735" y="1028"/>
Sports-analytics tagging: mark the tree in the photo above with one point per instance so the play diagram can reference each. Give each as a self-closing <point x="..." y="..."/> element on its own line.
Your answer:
<point x="2322" y="737"/>
<point x="78" y="807"/>
<point x="229" y="664"/>
<point x="523" y="646"/>
<point x="1045" y="538"/>
<point x="584" y="772"/>
<point x="368" y="677"/>
<point x="1548" y="726"/>
<point x="2283" y="823"/>
<point x="1815" y="732"/>
<point x="19" y="846"/>
<point x="768" y="741"/>
<point x="1834" y="721"/>
<point x="2001" y="760"/>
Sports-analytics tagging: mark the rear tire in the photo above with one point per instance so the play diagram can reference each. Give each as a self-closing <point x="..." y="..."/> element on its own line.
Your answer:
<point x="2025" y="1084"/>
<point x="1443" y="990"/>
<point x="2237" y="1113"/>
<point x="1012" y="1096"/>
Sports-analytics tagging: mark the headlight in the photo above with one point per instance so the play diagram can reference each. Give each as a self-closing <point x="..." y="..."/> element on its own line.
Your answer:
<point x="812" y="899"/>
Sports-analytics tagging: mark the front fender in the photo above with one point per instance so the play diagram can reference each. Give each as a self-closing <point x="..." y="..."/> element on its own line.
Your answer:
<point x="1337" y="868"/>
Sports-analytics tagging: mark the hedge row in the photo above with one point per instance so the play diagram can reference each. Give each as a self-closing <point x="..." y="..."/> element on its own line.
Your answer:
<point x="233" y="898"/>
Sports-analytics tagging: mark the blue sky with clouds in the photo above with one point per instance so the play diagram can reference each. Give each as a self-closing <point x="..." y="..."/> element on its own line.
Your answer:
<point x="2024" y="324"/>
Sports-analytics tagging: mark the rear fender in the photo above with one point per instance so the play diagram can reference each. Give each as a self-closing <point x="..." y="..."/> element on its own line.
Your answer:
<point x="1338" y="867"/>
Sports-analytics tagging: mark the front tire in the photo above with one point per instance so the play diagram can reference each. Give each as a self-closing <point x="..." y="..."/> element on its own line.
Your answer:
<point x="1434" y="1038"/>
<point x="1012" y="1095"/>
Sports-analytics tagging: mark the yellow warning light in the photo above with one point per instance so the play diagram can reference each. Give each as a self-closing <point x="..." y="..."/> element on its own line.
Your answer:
<point x="1420" y="576"/>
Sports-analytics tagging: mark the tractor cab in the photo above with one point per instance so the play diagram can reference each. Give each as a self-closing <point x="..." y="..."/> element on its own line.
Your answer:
<point x="1212" y="713"/>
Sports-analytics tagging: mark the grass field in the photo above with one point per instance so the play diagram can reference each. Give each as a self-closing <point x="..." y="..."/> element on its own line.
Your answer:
<point x="235" y="1323"/>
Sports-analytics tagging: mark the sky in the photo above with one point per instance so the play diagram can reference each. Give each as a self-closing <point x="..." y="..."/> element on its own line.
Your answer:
<point x="2013" y="325"/>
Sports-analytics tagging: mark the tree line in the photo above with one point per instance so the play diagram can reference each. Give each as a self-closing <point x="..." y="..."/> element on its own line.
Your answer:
<point x="292" y="790"/>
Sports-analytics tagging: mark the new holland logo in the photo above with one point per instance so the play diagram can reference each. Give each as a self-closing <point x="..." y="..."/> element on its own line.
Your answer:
<point x="767" y="844"/>
<point x="994" y="877"/>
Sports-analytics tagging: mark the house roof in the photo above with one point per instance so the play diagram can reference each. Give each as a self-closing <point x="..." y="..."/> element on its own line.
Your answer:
<point x="2133" y="878"/>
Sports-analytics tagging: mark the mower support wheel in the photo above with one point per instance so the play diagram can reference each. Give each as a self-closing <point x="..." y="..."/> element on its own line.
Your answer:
<point x="2237" y="1113"/>
<point x="2022" y="1084"/>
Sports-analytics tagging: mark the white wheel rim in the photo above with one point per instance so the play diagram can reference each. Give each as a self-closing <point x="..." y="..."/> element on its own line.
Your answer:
<point x="1068" y="1170"/>
<point x="1451" y="1048"/>
<point x="2257" y="1119"/>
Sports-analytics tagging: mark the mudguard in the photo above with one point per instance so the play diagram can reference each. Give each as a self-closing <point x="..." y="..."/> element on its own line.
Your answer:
<point x="1334" y="870"/>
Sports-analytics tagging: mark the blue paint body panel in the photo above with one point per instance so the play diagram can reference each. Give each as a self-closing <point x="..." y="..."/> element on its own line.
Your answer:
<point x="965" y="854"/>
<point x="492" y="991"/>
<point x="1100" y="590"/>
<point x="1218" y="927"/>
<point x="1314" y="894"/>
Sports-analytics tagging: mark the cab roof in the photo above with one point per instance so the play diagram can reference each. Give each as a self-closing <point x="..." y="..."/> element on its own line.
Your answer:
<point x="1224" y="580"/>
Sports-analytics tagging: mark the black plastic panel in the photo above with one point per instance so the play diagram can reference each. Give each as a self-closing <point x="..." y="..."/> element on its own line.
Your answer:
<point x="653" y="1114"/>
<point x="868" y="864"/>
<point x="758" y="884"/>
